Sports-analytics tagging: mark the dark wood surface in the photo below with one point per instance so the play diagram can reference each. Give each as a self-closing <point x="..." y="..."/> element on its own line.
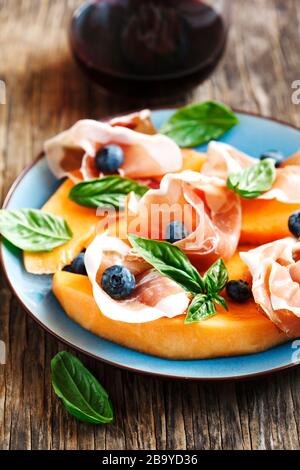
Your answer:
<point x="45" y="94"/>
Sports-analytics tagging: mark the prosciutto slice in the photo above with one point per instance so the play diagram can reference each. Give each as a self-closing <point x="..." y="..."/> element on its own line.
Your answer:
<point x="223" y="159"/>
<point x="72" y="152"/>
<point x="210" y="212"/>
<point x="139" y="122"/>
<point x="275" y="269"/>
<point x="155" y="296"/>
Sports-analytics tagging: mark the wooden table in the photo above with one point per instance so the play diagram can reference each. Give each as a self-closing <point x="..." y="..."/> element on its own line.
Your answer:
<point x="45" y="94"/>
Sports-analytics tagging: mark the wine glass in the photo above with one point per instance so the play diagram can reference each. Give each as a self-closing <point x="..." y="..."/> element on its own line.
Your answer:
<point x="149" y="49"/>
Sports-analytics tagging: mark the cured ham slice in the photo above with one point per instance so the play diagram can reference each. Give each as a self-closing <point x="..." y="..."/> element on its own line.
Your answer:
<point x="155" y="296"/>
<point x="275" y="270"/>
<point x="210" y="212"/>
<point x="223" y="159"/>
<point x="72" y="152"/>
<point x="139" y="122"/>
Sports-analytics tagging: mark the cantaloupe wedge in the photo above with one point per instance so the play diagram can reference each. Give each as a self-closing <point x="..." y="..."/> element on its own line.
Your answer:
<point x="241" y="330"/>
<point x="192" y="160"/>
<point x="264" y="221"/>
<point x="292" y="160"/>
<point x="83" y="223"/>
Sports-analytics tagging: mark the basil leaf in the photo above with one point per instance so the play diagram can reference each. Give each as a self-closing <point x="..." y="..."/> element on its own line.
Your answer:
<point x="198" y="123"/>
<point x="33" y="229"/>
<point x="221" y="301"/>
<point x="200" y="309"/>
<point x="82" y="395"/>
<point x="216" y="277"/>
<point x="170" y="261"/>
<point x="253" y="181"/>
<point x="102" y="192"/>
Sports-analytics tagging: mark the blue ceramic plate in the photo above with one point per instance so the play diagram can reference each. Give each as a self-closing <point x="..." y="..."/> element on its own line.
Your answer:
<point x="253" y="135"/>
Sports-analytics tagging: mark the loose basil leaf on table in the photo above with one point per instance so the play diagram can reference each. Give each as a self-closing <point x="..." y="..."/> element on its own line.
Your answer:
<point x="81" y="393"/>
<point x="106" y="191"/>
<point x="198" y="123"/>
<point x="253" y="181"/>
<point x="170" y="261"/>
<point x="34" y="230"/>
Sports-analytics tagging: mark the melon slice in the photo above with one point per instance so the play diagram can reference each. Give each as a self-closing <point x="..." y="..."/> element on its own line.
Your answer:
<point x="264" y="221"/>
<point x="241" y="330"/>
<point x="192" y="160"/>
<point x="292" y="160"/>
<point x="83" y="223"/>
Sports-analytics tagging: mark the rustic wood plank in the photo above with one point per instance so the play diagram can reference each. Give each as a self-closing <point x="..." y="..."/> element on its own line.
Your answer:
<point x="46" y="93"/>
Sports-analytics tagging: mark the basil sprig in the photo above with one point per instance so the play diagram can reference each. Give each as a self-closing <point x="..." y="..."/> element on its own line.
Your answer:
<point x="170" y="261"/>
<point x="106" y="191"/>
<point x="82" y="395"/>
<point x="198" y="123"/>
<point x="34" y="230"/>
<point x="203" y="305"/>
<point x="253" y="181"/>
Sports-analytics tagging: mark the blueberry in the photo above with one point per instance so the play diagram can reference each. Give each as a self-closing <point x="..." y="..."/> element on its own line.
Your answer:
<point x="239" y="291"/>
<point x="109" y="158"/>
<point x="118" y="282"/>
<point x="176" y="231"/>
<point x="275" y="155"/>
<point x="77" y="266"/>
<point x="294" y="224"/>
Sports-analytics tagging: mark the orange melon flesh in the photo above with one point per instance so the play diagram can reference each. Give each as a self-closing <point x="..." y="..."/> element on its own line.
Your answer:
<point x="241" y="330"/>
<point x="292" y="160"/>
<point x="83" y="223"/>
<point x="264" y="221"/>
<point x="192" y="160"/>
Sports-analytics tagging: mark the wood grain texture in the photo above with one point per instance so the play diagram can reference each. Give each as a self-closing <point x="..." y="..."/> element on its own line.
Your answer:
<point x="45" y="94"/>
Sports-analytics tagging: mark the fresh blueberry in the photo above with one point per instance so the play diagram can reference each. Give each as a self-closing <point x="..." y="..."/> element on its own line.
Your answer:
<point x="109" y="158"/>
<point x="275" y="155"/>
<point x="176" y="231"/>
<point x="294" y="224"/>
<point x="239" y="291"/>
<point x="77" y="266"/>
<point x="118" y="282"/>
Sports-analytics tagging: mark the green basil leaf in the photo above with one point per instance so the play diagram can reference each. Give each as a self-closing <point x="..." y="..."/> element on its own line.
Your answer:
<point x="220" y="301"/>
<point x="82" y="395"/>
<point x="216" y="277"/>
<point x="102" y="192"/>
<point x="170" y="261"/>
<point x="200" y="309"/>
<point x="253" y="181"/>
<point x="33" y="229"/>
<point x="198" y="123"/>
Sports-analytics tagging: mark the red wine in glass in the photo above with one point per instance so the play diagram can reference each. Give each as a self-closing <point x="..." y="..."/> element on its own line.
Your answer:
<point x="149" y="49"/>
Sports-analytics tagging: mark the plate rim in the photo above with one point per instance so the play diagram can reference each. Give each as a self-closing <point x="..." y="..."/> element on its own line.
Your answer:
<point x="7" y="199"/>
